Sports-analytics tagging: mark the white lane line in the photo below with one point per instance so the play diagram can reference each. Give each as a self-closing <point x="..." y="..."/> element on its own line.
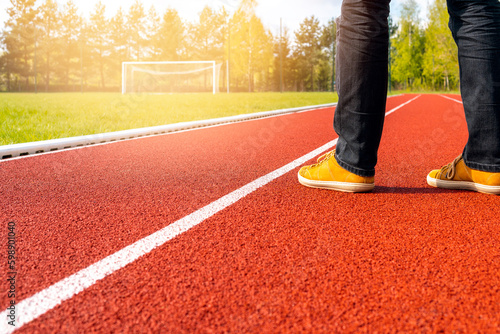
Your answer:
<point x="401" y="106"/>
<point x="32" y="307"/>
<point x="449" y="98"/>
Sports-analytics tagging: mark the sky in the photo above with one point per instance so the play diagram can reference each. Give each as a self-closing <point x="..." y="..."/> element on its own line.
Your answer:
<point x="292" y="12"/>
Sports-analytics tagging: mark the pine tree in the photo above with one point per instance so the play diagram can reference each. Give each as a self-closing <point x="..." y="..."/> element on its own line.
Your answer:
<point x="136" y="23"/>
<point x="119" y="50"/>
<point x="170" y="38"/>
<point x="69" y="57"/>
<point x="308" y="50"/>
<point x="98" y="40"/>
<point x="49" y="26"/>
<point x="325" y="71"/>
<point x="208" y="35"/>
<point x="19" y="41"/>
<point x="152" y="28"/>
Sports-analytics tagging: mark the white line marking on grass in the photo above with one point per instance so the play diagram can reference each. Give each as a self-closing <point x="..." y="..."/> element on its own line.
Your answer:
<point x="449" y="98"/>
<point x="32" y="307"/>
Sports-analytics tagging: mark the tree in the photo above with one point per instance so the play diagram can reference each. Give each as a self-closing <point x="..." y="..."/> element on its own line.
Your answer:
<point x="393" y="28"/>
<point x="3" y="69"/>
<point x="440" y="60"/>
<point x="251" y="48"/>
<point x="208" y="32"/>
<point x="207" y="37"/>
<point x="408" y="46"/>
<point x="307" y="50"/>
<point x="19" y="40"/>
<point x="49" y="25"/>
<point x="283" y="61"/>
<point x="170" y="37"/>
<point x="87" y="68"/>
<point x="153" y="26"/>
<point x="136" y="23"/>
<point x="327" y="56"/>
<point x="118" y="39"/>
<point x="98" y="40"/>
<point x="69" y="56"/>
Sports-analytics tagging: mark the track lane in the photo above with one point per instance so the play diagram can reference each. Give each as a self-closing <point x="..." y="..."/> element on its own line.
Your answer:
<point x="119" y="193"/>
<point x="108" y="184"/>
<point x="287" y="258"/>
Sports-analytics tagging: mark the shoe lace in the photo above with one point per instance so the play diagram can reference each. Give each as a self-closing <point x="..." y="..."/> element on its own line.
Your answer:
<point x="324" y="158"/>
<point x="451" y="168"/>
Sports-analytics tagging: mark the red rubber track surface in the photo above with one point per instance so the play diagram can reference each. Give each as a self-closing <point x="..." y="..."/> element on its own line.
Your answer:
<point x="286" y="258"/>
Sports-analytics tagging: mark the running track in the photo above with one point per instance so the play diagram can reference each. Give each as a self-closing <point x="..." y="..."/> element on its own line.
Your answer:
<point x="282" y="258"/>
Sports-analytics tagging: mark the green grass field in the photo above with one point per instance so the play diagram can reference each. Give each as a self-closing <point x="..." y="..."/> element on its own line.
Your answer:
<point x="34" y="117"/>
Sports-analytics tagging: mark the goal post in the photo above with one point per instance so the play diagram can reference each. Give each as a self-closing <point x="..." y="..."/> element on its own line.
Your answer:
<point x="170" y="76"/>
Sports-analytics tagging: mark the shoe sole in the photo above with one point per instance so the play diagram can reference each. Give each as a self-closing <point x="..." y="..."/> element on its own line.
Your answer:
<point x="348" y="187"/>
<point x="463" y="185"/>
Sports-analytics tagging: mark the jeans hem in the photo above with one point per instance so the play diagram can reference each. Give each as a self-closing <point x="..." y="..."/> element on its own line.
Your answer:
<point x="482" y="167"/>
<point x="355" y="170"/>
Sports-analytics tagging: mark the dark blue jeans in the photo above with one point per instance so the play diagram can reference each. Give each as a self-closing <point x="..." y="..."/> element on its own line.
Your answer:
<point x="362" y="66"/>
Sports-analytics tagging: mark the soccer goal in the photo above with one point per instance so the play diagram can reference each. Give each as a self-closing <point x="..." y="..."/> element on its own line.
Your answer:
<point x="170" y="77"/>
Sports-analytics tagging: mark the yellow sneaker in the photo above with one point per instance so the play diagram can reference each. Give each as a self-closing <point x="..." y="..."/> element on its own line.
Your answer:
<point x="456" y="175"/>
<point x="329" y="175"/>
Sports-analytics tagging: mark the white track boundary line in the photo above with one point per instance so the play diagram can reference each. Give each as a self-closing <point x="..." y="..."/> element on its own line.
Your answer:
<point x="32" y="307"/>
<point x="25" y="150"/>
<point x="155" y="135"/>
<point x="449" y="98"/>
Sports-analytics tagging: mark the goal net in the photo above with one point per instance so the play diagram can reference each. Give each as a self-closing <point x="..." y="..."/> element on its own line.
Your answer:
<point x="170" y="77"/>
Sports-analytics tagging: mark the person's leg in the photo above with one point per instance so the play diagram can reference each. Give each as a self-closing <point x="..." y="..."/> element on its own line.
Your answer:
<point x="362" y="61"/>
<point x="362" y="73"/>
<point x="475" y="26"/>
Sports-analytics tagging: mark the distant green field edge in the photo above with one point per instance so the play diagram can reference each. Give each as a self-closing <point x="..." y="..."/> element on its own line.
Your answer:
<point x="45" y="146"/>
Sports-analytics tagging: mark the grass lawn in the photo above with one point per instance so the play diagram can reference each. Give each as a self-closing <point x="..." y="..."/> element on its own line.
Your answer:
<point x="34" y="117"/>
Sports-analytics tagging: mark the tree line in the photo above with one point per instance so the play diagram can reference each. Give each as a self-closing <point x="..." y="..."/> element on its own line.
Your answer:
<point x="423" y="57"/>
<point x="53" y="48"/>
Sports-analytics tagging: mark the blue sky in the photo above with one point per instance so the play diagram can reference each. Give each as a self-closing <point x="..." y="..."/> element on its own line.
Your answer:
<point x="270" y="11"/>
